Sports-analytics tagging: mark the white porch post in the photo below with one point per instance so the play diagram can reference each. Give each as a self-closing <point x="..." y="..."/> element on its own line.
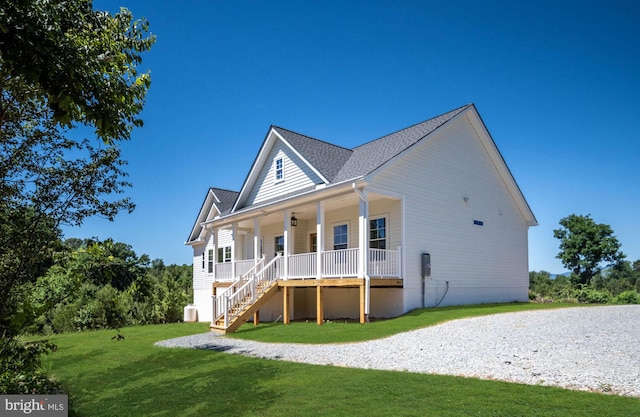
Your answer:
<point x="319" y="238"/>
<point x="234" y="241"/>
<point x="363" y="238"/>
<point x="256" y="240"/>
<point x="214" y="261"/>
<point x="287" y="246"/>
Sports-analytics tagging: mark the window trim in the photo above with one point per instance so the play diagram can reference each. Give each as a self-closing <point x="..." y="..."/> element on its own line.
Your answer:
<point x="312" y="235"/>
<point x="333" y="229"/>
<point x="210" y="261"/>
<point x="384" y="216"/>
<point x="277" y="170"/>
<point x="226" y="254"/>
<point x="275" y="243"/>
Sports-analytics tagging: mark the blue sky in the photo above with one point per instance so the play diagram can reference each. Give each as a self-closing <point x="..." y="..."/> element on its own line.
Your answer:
<point x="558" y="86"/>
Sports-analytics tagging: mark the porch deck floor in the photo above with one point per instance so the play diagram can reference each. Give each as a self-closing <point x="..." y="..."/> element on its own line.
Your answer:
<point x="340" y="282"/>
<point x="328" y="282"/>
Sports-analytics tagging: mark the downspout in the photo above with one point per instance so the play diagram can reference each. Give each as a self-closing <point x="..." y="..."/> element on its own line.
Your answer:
<point x="367" y="278"/>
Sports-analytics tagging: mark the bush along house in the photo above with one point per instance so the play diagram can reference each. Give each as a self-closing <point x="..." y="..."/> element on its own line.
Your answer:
<point x="429" y="215"/>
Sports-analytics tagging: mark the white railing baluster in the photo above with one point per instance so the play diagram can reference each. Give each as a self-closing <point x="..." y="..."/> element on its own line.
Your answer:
<point x="226" y="311"/>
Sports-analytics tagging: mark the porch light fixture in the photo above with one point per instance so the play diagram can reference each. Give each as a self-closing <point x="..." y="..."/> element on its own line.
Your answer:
<point x="294" y="220"/>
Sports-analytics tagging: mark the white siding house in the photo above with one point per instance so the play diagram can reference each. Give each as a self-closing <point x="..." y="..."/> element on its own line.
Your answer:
<point x="322" y="231"/>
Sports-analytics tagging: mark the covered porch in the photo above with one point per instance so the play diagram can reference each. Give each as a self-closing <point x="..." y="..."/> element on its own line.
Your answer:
<point x="351" y="239"/>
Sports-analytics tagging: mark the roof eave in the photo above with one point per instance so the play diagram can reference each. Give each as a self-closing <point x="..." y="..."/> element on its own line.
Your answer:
<point x="247" y="212"/>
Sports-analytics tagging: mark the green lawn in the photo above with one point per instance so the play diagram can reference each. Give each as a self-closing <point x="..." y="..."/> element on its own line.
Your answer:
<point x="133" y="377"/>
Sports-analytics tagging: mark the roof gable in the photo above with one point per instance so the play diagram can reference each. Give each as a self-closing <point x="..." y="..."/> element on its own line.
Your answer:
<point x="501" y="166"/>
<point x="217" y="202"/>
<point x="307" y="161"/>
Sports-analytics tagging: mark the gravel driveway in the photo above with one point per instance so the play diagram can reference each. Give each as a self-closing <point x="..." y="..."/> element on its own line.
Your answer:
<point x="582" y="348"/>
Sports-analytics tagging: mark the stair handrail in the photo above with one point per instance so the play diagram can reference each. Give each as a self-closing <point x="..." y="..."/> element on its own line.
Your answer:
<point x="248" y="292"/>
<point x="218" y="307"/>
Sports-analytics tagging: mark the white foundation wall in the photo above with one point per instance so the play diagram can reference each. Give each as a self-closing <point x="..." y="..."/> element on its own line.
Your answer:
<point x="204" y="306"/>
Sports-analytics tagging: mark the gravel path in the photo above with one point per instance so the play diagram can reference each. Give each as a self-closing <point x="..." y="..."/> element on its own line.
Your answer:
<point x="589" y="348"/>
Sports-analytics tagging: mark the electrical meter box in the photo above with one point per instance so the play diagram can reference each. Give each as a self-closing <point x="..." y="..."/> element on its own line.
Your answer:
<point x="426" y="265"/>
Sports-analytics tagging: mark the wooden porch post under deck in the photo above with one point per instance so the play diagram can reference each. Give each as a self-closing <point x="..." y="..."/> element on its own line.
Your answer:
<point x="285" y="303"/>
<point x="320" y="304"/>
<point x="256" y="318"/>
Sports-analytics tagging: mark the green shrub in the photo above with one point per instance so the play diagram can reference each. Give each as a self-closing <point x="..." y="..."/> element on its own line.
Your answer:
<point x="627" y="297"/>
<point x="592" y="296"/>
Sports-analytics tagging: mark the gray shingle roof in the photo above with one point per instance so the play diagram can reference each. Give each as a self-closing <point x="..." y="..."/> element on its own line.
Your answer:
<point x="368" y="157"/>
<point x="340" y="164"/>
<point x="227" y="199"/>
<point x="325" y="157"/>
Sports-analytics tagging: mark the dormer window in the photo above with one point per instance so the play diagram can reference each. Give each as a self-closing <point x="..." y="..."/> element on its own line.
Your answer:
<point x="279" y="169"/>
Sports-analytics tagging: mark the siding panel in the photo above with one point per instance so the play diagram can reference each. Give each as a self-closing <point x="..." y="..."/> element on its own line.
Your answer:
<point x="480" y="263"/>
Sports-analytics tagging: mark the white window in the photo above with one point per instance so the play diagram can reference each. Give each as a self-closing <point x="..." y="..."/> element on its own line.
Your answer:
<point x="340" y="236"/>
<point x="378" y="233"/>
<point x="210" y="261"/>
<point x="278" y="244"/>
<point x="278" y="165"/>
<point x="224" y="254"/>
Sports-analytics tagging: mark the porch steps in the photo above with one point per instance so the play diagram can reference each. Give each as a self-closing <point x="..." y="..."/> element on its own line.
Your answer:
<point x="267" y="290"/>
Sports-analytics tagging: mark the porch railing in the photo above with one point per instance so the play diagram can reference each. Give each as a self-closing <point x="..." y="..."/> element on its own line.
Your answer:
<point x="335" y="264"/>
<point x="340" y="263"/>
<point x="243" y="267"/>
<point x="303" y="265"/>
<point x="224" y="272"/>
<point x="384" y="263"/>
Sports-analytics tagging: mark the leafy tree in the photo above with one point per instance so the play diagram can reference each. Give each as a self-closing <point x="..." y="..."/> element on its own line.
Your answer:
<point x="62" y="65"/>
<point x="586" y="246"/>
<point x="81" y="62"/>
<point x="108" y="262"/>
<point x="619" y="278"/>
